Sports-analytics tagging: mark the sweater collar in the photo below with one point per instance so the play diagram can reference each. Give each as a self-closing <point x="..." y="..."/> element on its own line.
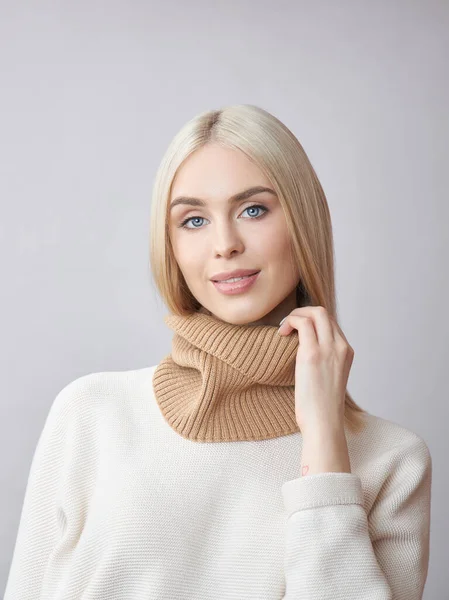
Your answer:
<point x="224" y="382"/>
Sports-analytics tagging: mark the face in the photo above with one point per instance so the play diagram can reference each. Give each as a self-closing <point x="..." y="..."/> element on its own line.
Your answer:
<point x="219" y="234"/>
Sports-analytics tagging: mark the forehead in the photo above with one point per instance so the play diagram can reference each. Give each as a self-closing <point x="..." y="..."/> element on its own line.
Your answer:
<point x="215" y="171"/>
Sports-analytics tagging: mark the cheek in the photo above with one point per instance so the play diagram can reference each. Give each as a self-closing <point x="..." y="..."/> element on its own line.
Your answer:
<point x="274" y="243"/>
<point x="277" y="251"/>
<point x="188" y="256"/>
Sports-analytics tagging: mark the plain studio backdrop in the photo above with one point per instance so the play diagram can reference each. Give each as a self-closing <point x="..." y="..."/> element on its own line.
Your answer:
<point x="91" y="94"/>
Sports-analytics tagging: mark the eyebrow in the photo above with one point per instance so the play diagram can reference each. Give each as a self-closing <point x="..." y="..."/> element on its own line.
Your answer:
<point x="190" y="200"/>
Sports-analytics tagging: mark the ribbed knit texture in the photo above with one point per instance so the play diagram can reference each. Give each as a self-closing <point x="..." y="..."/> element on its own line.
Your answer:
<point x="239" y="380"/>
<point x="120" y="506"/>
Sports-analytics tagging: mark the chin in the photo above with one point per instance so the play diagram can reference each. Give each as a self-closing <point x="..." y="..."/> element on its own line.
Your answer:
<point x="239" y="315"/>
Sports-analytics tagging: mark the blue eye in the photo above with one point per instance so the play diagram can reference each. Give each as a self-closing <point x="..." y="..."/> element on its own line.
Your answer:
<point x="264" y="209"/>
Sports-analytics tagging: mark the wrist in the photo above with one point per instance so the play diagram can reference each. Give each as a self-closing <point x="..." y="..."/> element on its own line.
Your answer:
<point x="325" y="450"/>
<point x="332" y="427"/>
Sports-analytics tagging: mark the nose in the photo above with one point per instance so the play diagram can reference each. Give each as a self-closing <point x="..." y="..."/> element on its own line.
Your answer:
<point x="227" y="241"/>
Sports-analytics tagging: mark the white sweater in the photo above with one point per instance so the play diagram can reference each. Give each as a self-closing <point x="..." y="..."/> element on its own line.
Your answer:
<point x="118" y="506"/>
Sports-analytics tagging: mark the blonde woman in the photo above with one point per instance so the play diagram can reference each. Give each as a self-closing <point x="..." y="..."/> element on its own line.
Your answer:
<point x="239" y="467"/>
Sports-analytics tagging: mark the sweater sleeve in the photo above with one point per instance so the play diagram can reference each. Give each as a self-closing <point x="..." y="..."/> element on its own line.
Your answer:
<point x="42" y="522"/>
<point x="335" y="550"/>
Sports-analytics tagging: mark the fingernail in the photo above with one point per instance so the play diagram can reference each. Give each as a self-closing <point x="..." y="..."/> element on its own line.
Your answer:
<point x="282" y="321"/>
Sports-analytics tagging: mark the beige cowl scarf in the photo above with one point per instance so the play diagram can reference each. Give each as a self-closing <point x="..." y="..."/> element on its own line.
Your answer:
<point x="224" y="382"/>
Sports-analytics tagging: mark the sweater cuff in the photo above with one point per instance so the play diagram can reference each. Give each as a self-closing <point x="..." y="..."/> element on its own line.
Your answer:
<point x="322" y="489"/>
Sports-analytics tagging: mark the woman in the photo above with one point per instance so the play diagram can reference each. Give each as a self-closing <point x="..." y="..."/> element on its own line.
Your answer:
<point x="239" y="466"/>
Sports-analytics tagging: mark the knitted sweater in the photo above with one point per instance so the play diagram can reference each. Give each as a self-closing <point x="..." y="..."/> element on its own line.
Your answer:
<point x="120" y="506"/>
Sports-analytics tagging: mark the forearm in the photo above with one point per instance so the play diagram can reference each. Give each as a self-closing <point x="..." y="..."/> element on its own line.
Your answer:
<point x="324" y="450"/>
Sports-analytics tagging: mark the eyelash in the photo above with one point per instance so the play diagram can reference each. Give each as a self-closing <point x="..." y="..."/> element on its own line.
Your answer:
<point x="184" y="223"/>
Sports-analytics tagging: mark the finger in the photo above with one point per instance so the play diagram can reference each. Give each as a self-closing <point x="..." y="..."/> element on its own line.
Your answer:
<point x="305" y="327"/>
<point x="337" y="329"/>
<point x="340" y="336"/>
<point x="321" y="321"/>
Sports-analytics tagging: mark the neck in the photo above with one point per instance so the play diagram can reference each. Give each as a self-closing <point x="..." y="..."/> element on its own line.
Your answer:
<point x="227" y="382"/>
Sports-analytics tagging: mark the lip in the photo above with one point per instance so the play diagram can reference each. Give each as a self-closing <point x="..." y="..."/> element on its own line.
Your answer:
<point x="236" y="287"/>
<point x="235" y="273"/>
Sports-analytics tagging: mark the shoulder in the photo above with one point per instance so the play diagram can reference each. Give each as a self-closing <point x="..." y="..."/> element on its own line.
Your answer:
<point x="387" y="448"/>
<point x="93" y="392"/>
<point x="397" y="480"/>
<point x="389" y="435"/>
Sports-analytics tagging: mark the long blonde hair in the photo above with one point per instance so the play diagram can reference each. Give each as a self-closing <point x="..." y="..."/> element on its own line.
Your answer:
<point x="279" y="155"/>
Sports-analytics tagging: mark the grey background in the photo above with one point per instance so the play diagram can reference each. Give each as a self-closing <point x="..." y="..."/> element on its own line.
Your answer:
<point x="92" y="93"/>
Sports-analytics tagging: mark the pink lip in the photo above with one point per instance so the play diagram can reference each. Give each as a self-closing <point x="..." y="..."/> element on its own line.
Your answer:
<point x="236" y="287"/>
<point x="234" y="273"/>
